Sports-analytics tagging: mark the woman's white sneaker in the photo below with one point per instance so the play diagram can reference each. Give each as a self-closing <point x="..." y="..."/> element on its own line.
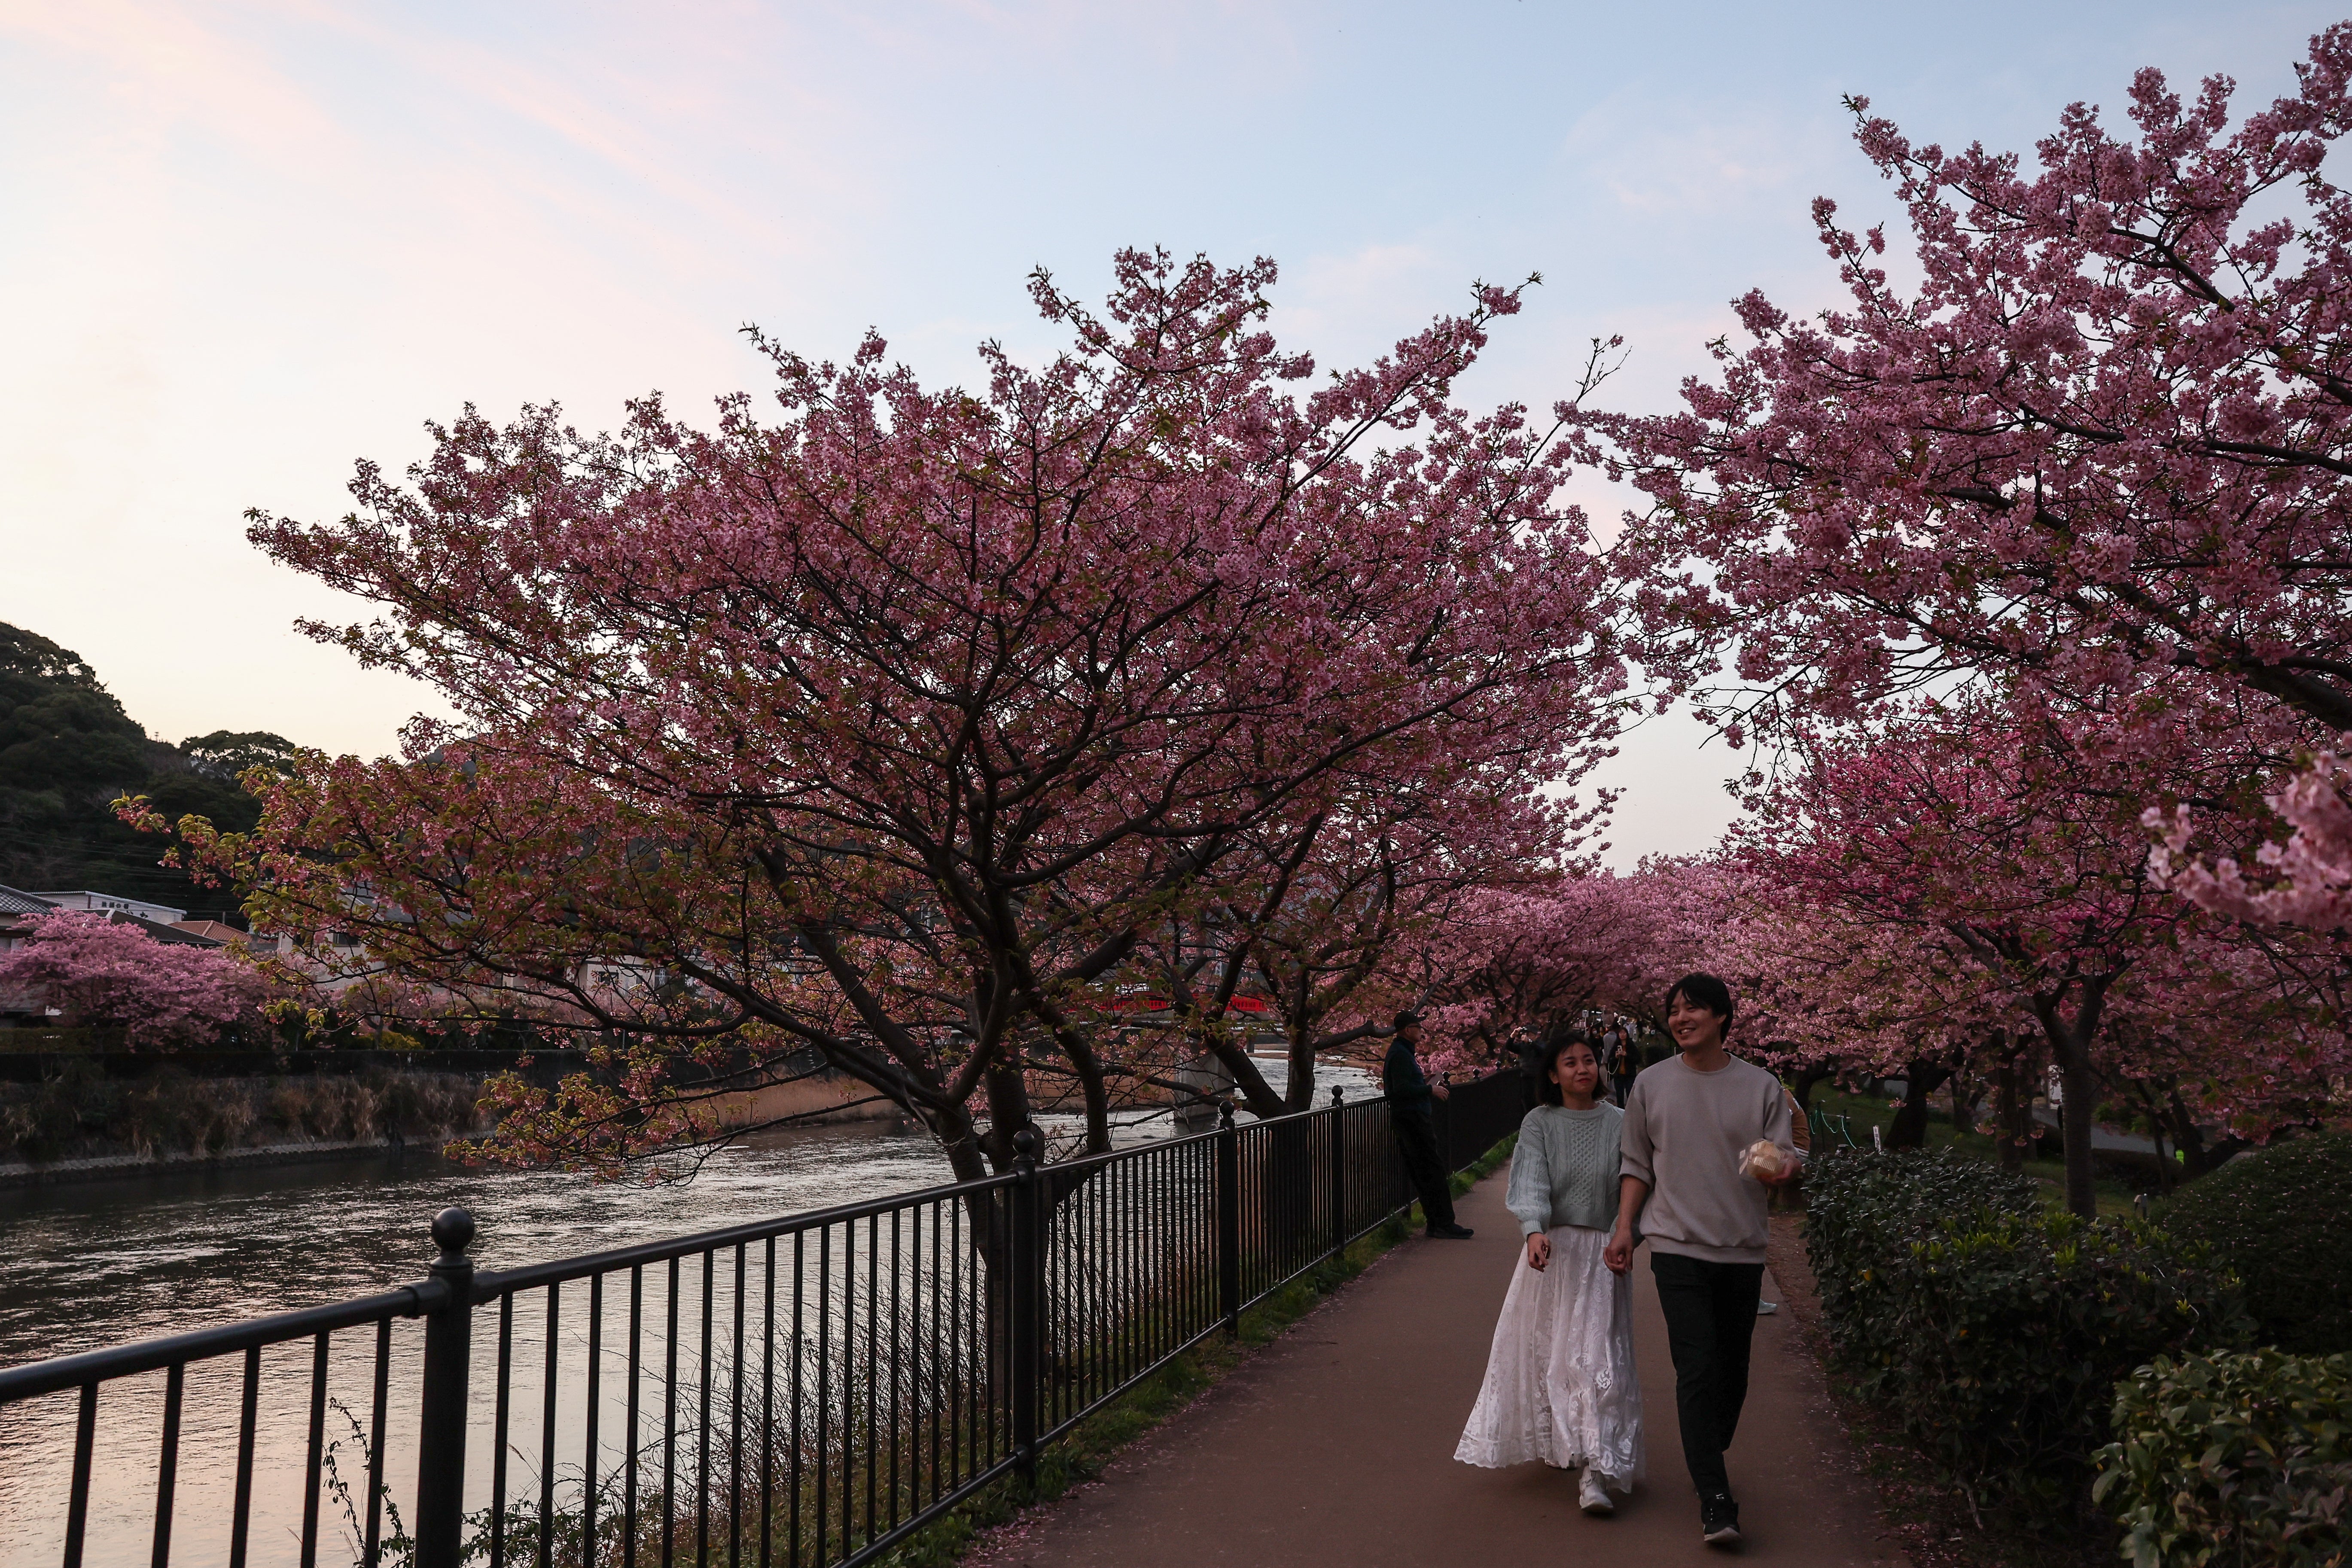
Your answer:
<point x="1593" y="1496"/>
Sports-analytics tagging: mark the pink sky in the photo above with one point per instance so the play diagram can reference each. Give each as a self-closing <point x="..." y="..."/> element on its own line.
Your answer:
<point x="243" y="245"/>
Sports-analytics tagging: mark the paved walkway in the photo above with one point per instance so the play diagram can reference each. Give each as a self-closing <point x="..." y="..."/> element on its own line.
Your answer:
<point x="1333" y="1447"/>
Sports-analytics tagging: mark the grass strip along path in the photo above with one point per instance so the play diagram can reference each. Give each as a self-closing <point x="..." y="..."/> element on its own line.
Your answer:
<point x="1334" y="1444"/>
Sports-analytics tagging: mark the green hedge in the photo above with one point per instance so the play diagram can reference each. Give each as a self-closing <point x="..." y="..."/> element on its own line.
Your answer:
<point x="2276" y="1218"/>
<point x="2234" y="1461"/>
<point x="1862" y="1207"/>
<point x="1993" y="1328"/>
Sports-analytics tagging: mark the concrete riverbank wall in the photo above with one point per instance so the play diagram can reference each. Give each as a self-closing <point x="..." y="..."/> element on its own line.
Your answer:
<point x="100" y="1117"/>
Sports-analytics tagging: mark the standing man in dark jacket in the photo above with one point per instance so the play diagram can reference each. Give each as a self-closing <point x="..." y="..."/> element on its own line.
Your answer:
<point x="1410" y="1096"/>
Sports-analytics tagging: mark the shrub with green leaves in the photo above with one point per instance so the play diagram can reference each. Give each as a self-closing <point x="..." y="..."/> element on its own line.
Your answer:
<point x="1996" y="1329"/>
<point x="2016" y="1328"/>
<point x="2233" y="1460"/>
<point x="1862" y="1207"/>
<point x="2276" y="1216"/>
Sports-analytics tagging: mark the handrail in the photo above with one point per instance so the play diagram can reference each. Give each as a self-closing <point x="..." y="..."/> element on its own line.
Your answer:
<point x="919" y="1346"/>
<point x="489" y="1286"/>
<point x="35" y="1378"/>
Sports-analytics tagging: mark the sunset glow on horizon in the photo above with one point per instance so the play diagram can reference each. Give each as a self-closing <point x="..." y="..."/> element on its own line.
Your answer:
<point x="245" y="246"/>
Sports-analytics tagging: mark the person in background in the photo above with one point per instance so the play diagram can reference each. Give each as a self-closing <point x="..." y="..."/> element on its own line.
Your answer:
<point x="1706" y="1135"/>
<point x="1529" y="1046"/>
<point x="1561" y="1383"/>
<point x="1620" y="1059"/>
<point x="1412" y="1117"/>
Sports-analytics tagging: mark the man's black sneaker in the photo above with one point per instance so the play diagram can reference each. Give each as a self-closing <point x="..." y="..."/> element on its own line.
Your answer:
<point x="1451" y="1232"/>
<point x="1718" y="1520"/>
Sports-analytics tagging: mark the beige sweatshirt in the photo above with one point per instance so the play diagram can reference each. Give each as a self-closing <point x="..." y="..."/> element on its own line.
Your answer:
<point x="1684" y="1133"/>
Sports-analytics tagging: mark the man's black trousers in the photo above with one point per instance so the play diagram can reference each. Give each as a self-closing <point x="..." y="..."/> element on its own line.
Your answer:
<point x="1417" y="1142"/>
<point x="1710" y="1317"/>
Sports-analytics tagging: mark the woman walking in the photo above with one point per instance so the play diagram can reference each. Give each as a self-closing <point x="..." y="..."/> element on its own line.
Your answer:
<point x="1561" y="1385"/>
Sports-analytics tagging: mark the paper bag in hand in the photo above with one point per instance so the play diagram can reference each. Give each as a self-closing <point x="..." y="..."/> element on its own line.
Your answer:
<point x="1764" y="1161"/>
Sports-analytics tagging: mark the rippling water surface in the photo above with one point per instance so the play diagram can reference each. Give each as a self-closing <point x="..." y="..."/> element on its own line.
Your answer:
<point x="101" y="1264"/>
<point x="85" y="1267"/>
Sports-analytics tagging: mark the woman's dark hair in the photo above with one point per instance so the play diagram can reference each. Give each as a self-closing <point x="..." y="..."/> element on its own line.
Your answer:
<point x="1545" y="1089"/>
<point x="1703" y="991"/>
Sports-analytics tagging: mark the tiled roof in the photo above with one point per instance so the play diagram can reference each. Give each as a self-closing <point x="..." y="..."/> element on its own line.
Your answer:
<point x="174" y="935"/>
<point x="13" y="902"/>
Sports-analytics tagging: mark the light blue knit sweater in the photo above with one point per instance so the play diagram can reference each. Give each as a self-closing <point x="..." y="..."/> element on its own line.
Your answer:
<point x="1564" y="1169"/>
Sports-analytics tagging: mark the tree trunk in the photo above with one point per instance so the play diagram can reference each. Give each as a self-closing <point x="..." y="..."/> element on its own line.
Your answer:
<point x="2078" y="1083"/>
<point x="1299" y="1090"/>
<point x="1909" y="1128"/>
<point x="2160" y="1133"/>
<point x="1261" y="1100"/>
<point x="2197" y="1156"/>
<point x="2079" y="1086"/>
<point x="2009" y="1112"/>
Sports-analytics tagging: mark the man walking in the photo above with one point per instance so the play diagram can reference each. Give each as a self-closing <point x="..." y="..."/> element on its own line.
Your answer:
<point x="1688" y="1122"/>
<point x="1410" y="1114"/>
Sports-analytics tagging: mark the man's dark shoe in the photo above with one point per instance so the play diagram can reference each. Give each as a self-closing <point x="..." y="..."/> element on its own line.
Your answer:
<point x="1718" y="1520"/>
<point x="1451" y="1232"/>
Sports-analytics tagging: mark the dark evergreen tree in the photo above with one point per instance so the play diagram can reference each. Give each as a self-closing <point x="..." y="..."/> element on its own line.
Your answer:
<point x="67" y="750"/>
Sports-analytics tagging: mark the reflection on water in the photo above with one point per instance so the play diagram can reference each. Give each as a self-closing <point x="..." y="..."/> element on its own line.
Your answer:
<point x="86" y="1266"/>
<point x="103" y="1263"/>
<point x="89" y="1267"/>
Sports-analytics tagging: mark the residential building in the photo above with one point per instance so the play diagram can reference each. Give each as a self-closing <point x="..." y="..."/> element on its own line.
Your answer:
<point x="112" y="904"/>
<point x="158" y="920"/>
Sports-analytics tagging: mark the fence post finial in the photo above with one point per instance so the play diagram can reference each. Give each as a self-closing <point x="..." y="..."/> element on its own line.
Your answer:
<point x="453" y="1232"/>
<point x="441" y="1413"/>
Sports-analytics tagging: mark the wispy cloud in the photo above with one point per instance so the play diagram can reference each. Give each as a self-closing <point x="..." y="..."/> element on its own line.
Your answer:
<point x="242" y="242"/>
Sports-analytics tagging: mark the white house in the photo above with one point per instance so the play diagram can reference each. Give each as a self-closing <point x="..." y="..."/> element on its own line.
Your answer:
<point x="109" y="904"/>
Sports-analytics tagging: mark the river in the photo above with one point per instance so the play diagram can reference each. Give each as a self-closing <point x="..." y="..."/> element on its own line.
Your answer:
<point x="88" y="1265"/>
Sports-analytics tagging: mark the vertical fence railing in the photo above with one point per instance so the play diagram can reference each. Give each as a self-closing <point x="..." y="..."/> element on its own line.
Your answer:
<point x="799" y="1393"/>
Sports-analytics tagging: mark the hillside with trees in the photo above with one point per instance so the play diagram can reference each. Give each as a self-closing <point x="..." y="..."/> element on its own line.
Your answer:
<point x="67" y="750"/>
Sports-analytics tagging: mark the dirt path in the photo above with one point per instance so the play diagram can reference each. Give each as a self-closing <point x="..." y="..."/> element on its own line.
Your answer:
<point x="1334" y="1446"/>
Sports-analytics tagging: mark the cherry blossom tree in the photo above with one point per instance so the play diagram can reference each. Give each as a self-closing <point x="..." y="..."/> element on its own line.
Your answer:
<point x="2304" y="882"/>
<point x="106" y="975"/>
<point x="1523" y="961"/>
<point x="1341" y="919"/>
<point x="2011" y="887"/>
<point x="2100" y="448"/>
<point x="890" y="726"/>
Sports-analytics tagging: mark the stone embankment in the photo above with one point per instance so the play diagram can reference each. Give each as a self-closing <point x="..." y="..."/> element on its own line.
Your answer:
<point x="94" y="1119"/>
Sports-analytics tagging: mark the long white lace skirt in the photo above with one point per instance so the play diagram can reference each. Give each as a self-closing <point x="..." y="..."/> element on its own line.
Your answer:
<point x="1561" y="1385"/>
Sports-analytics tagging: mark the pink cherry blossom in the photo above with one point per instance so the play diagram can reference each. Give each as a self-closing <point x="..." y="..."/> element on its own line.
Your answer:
<point x="104" y="974"/>
<point x="906" y="724"/>
<point x="2102" y="450"/>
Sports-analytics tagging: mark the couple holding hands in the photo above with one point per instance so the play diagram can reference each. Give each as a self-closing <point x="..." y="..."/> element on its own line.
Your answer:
<point x="1687" y="1165"/>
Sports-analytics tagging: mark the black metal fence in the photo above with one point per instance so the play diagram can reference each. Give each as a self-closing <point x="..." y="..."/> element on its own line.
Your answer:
<point x="799" y="1393"/>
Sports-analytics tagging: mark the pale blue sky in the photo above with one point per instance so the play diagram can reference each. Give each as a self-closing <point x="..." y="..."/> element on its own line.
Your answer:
<point x="242" y="245"/>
